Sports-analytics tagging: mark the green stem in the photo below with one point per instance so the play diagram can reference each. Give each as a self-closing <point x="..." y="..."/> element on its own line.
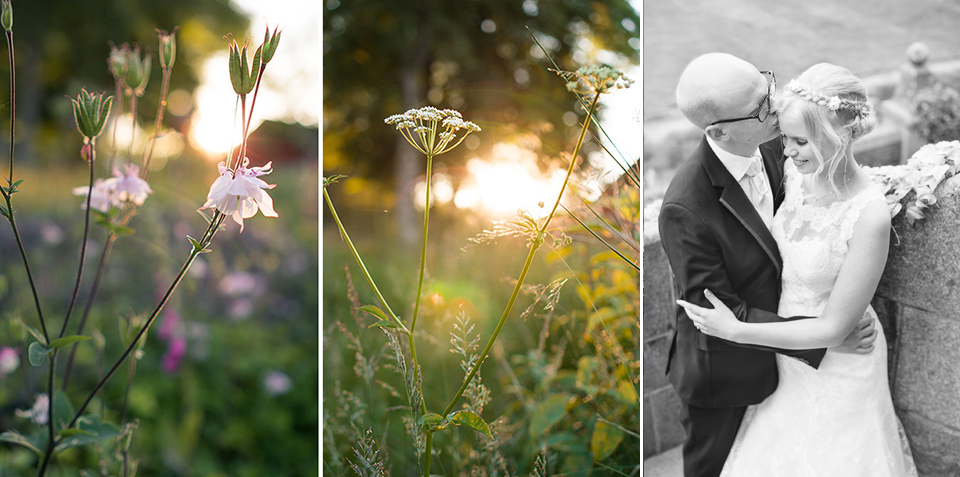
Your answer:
<point x="526" y="265"/>
<point x="26" y="265"/>
<point x="111" y="238"/>
<point x="363" y="268"/>
<point x="48" y="454"/>
<point x="423" y="263"/>
<point x="83" y="243"/>
<point x="426" y="456"/>
<point x="13" y="98"/>
<point x="133" y="125"/>
<point x="156" y="127"/>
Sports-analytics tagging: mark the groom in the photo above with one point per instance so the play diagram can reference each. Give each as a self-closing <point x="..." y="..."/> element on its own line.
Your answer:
<point x="715" y="227"/>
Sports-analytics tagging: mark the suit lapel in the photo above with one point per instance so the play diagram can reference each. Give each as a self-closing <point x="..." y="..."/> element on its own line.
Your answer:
<point x="735" y="200"/>
<point x="772" y="153"/>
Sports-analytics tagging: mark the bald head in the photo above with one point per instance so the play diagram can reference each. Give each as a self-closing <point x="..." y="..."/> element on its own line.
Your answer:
<point x="716" y="86"/>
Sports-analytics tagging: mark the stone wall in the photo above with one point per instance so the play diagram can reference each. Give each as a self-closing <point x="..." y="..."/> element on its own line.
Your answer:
<point x="918" y="301"/>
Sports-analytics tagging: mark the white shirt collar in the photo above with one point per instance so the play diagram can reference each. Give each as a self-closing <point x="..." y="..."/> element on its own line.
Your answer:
<point x="736" y="165"/>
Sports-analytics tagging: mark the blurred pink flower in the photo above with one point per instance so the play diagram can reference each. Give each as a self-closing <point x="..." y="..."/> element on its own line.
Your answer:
<point x="171" y="321"/>
<point x="240" y="194"/>
<point x="277" y="383"/>
<point x="175" y="352"/>
<point x="128" y="186"/>
<point x="9" y="360"/>
<point x="125" y="186"/>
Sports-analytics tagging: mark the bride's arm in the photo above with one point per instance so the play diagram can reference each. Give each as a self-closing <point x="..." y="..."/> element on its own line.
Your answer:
<point x="857" y="282"/>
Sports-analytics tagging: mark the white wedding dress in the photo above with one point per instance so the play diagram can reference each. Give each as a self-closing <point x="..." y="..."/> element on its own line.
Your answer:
<point x="837" y="420"/>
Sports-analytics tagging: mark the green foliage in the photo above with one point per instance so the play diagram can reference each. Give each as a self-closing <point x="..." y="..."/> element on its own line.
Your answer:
<point x="936" y="113"/>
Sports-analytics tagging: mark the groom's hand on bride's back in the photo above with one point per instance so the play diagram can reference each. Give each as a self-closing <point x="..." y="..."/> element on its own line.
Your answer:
<point x="860" y="340"/>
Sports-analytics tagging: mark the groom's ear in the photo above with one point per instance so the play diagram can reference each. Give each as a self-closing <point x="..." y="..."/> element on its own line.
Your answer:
<point x="716" y="132"/>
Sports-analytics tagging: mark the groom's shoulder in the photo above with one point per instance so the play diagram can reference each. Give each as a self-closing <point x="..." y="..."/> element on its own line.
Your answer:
<point x="689" y="183"/>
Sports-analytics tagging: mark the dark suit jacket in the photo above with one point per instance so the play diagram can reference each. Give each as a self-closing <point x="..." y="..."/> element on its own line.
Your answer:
<point x="715" y="239"/>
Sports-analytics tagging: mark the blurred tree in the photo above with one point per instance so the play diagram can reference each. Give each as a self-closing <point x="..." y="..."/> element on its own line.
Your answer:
<point x="62" y="45"/>
<point x="383" y="57"/>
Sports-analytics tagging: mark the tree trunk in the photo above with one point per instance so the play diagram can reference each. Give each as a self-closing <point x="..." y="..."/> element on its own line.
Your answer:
<point x="409" y="162"/>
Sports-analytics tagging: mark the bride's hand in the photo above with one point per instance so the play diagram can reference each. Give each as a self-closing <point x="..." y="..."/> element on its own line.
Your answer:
<point x="718" y="321"/>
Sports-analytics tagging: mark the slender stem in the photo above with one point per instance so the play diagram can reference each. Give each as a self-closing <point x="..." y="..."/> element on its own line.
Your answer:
<point x="131" y="373"/>
<point x="526" y="265"/>
<point x="423" y="249"/>
<point x="83" y="243"/>
<point x="156" y="127"/>
<point x="50" y="400"/>
<point x="243" y="141"/>
<point x="363" y="268"/>
<point x="13" y="98"/>
<point x="26" y="265"/>
<point x="426" y="455"/>
<point x="86" y="309"/>
<point x="118" y="111"/>
<point x="133" y="125"/>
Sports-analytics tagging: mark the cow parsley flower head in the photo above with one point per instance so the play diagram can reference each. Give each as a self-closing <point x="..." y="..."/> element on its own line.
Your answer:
<point x="432" y="131"/>
<point x="239" y="194"/>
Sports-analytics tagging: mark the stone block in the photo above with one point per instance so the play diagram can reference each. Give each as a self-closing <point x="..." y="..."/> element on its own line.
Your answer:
<point x="655" y="362"/>
<point x="665" y="407"/>
<point x="657" y="291"/>
<point x="923" y="271"/>
<point x="935" y="447"/>
<point x="889" y="313"/>
<point x="928" y="381"/>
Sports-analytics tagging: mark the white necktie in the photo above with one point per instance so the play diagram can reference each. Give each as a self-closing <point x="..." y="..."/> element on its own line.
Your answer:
<point x="760" y="192"/>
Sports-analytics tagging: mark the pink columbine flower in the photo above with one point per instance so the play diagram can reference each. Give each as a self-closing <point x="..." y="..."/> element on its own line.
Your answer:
<point x="37" y="413"/>
<point x="240" y="194"/>
<point x="125" y="186"/>
<point x="128" y="186"/>
<point x="9" y="360"/>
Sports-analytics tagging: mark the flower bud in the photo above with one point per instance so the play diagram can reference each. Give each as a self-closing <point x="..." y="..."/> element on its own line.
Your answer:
<point x="168" y="47"/>
<point x="138" y="72"/>
<point x="270" y="44"/>
<point x="6" y="15"/>
<point x="242" y="77"/>
<point x="90" y="111"/>
<point x="117" y="61"/>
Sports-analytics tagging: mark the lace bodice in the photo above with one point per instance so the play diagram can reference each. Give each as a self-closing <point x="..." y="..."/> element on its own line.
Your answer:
<point x="813" y="242"/>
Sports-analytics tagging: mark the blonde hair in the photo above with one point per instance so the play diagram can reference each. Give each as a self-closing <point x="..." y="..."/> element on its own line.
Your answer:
<point x="833" y="106"/>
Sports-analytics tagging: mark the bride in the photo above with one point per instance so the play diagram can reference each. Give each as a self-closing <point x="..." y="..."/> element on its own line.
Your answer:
<point x="833" y="232"/>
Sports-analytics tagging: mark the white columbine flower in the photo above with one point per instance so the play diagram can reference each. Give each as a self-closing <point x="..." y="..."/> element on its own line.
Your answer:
<point x="100" y="199"/>
<point x="37" y="413"/>
<point x="240" y="194"/>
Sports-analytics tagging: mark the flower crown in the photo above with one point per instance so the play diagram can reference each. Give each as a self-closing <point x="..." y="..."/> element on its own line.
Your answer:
<point x="833" y="103"/>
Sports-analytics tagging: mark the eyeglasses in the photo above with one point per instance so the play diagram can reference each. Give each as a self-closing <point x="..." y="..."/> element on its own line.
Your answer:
<point x="763" y="110"/>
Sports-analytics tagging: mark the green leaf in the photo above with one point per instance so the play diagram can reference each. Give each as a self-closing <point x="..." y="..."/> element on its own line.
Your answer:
<point x="73" y="431"/>
<point x="430" y="422"/>
<point x="384" y="324"/>
<point x="36" y="352"/>
<point x="373" y="310"/>
<point x="17" y="438"/>
<point x="3" y="211"/>
<point x="471" y="420"/>
<point x="549" y="412"/>
<point x="63" y="410"/>
<point x="36" y="334"/>
<point x="91" y="430"/>
<point x="61" y="342"/>
<point x="605" y="440"/>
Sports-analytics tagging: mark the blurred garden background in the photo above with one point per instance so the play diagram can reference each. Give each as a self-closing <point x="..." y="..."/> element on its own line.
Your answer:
<point x="228" y="381"/>
<point x="560" y="389"/>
